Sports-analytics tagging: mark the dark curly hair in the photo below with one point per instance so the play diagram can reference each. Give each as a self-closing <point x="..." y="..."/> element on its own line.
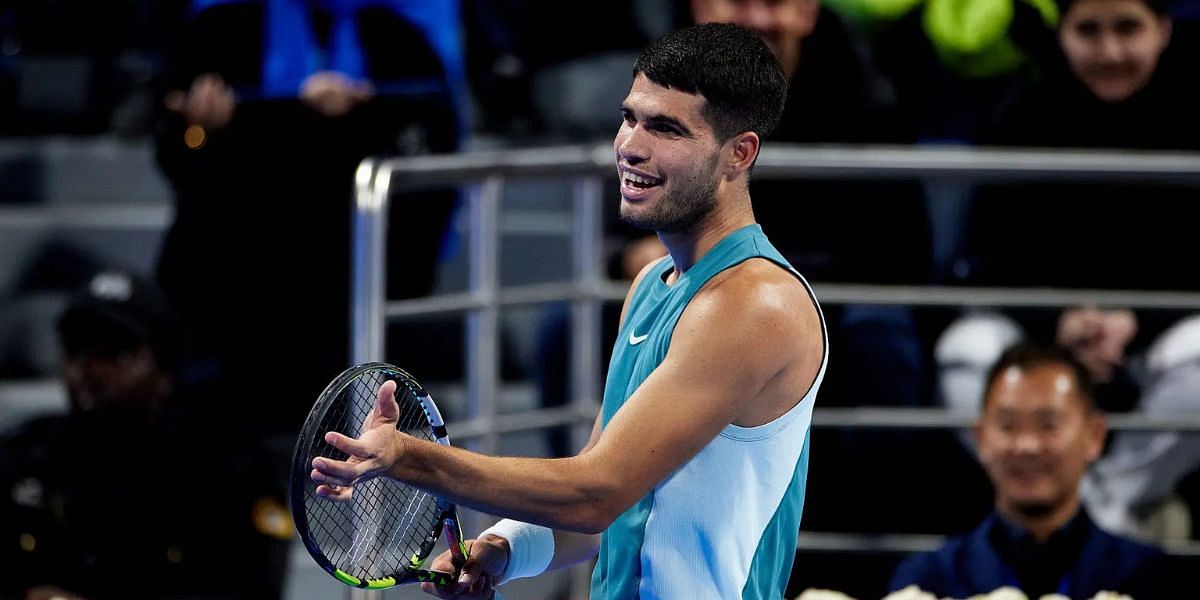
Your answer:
<point x="729" y="66"/>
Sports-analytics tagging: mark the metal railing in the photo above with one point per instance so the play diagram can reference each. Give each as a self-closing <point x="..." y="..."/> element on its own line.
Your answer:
<point x="486" y="173"/>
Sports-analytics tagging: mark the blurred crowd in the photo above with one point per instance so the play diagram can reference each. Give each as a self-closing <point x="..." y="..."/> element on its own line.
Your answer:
<point x="259" y="111"/>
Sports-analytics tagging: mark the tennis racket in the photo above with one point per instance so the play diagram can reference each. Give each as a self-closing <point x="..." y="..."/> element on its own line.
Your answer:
<point x="384" y="534"/>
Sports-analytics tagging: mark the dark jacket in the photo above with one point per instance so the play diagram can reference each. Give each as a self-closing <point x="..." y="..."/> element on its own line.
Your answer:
<point x="1078" y="561"/>
<point x="109" y="504"/>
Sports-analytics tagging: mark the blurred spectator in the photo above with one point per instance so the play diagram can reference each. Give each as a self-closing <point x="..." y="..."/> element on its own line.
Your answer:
<point x="1038" y="432"/>
<point x="952" y="61"/>
<point x="271" y="107"/>
<point x="76" y="524"/>
<point x="1117" y="85"/>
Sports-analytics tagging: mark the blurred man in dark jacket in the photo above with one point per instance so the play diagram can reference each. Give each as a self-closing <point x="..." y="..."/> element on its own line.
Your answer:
<point x="1039" y="431"/>
<point x="74" y="525"/>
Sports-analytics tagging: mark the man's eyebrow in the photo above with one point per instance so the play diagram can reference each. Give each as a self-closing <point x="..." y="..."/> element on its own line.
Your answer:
<point x="660" y="119"/>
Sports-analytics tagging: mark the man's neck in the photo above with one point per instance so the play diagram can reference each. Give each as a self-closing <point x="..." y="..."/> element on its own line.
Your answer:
<point x="1041" y="527"/>
<point x="686" y="248"/>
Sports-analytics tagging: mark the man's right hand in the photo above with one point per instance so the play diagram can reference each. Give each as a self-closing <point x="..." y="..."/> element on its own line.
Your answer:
<point x="486" y="565"/>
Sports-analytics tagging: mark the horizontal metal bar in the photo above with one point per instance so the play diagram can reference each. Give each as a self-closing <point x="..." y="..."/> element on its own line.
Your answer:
<point x="1012" y="297"/>
<point x="110" y="148"/>
<point x="441" y="304"/>
<point x="780" y="161"/>
<point x="538" y="293"/>
<point x="890" y="418"/>
<point x="561" y="161"/>
<point x="89" y="216"/>
<point x="812" y="541"/>
<point x="514" y="221"/>
<point x="961" y="162"/>
<point x="529" y="420"/>
<point x="827" y="292"/>
<point x="936" y="418"/>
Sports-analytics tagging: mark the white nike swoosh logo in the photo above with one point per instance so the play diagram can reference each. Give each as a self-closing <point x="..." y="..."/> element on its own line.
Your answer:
<point x="637" y="339"/>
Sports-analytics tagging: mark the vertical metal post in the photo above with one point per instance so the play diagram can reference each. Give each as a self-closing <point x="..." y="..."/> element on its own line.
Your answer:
<point x="367" y="295"/>
<point x="483" y="324"/>
<point x="587" y="255"/>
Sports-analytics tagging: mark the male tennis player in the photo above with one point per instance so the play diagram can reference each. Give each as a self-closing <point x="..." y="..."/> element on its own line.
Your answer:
<point x="695" y="470"/>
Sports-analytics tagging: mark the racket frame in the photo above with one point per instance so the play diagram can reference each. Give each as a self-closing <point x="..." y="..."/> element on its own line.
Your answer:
<point x="302" y="467"/>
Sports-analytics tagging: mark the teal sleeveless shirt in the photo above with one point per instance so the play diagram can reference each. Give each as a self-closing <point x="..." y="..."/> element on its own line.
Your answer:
<point x="682" y="540"/>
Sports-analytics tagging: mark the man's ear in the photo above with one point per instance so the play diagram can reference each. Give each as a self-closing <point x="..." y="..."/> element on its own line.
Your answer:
<point x="743" y="151"/>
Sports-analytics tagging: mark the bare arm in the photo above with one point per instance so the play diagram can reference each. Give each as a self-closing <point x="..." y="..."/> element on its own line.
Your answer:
<point x="488" y="556"/>
<point x="763" y="327"/>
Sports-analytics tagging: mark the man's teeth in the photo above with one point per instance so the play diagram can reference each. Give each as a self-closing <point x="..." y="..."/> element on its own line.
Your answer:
<point x="638" y="179"/>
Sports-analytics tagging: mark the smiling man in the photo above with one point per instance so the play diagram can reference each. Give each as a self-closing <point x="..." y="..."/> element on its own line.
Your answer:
<point x="1039" y="432"/>
<point x="693" y="481"/>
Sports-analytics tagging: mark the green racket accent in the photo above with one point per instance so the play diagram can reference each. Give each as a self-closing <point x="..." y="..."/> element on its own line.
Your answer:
<point x="347" y="578"/>
<point x="416" y="561"/>
<point x="436" y="577"/>
<point x="379" y="584"/>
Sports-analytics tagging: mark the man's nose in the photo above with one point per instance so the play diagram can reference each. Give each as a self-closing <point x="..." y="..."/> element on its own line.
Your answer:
<point x="1027" y="443"/>
<point x="1111" y="49"/>
<point x="631" y="147"/>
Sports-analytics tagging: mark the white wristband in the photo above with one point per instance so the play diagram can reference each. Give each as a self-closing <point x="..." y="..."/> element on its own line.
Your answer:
<point x="530" y="548"/>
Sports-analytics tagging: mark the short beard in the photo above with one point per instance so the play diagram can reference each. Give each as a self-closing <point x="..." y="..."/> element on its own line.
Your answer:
<point x="680" y="213"/>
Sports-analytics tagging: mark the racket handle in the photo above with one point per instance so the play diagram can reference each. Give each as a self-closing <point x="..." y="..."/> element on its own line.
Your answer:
<point x="458" y="550"/>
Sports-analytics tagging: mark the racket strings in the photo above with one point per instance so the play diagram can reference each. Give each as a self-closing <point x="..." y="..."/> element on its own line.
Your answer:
<point x="386" y="523"/>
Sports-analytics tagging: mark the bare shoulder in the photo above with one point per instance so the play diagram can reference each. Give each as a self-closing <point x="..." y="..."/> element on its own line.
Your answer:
<point x="762" y="293"/>
<point x="760" y="302"/>
<point x="761" y="316"/>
